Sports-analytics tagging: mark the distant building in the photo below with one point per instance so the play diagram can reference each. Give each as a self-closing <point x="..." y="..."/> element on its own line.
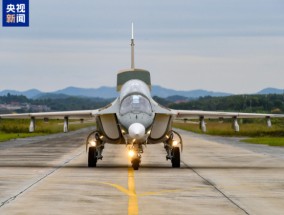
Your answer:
<point x="14" y="106"/>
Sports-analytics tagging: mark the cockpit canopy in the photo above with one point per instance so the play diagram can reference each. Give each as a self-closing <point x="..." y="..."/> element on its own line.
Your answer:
<point x="135" y="104"/>
<point x="134" y="87"/>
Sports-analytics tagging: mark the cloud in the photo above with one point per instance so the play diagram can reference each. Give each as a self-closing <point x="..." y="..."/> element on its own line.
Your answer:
<point x="201" y="44"/>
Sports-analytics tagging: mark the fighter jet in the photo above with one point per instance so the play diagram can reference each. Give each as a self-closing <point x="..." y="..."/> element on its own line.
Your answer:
<point x="134" y="119"/>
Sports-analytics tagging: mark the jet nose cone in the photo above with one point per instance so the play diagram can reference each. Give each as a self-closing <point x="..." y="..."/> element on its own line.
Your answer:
<point x="136" y="131"/>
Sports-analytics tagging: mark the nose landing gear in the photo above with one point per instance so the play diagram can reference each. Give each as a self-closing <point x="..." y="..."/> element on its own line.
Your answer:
<point x="135" y="155"/>
<point x="136" y="162"/>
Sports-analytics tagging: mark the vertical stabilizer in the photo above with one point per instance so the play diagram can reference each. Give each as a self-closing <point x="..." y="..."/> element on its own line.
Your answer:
<point x="124" y="76"/>
<point x="132" y="47"/>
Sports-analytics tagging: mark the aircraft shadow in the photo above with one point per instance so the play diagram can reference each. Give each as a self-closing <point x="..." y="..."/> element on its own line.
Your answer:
<point x="146" y="166"/>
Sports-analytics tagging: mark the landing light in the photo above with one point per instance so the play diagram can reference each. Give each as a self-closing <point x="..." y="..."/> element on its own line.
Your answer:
<point x="93" y="143"/>
<point x="175" y="143"/>
<point x="131" y="153"/>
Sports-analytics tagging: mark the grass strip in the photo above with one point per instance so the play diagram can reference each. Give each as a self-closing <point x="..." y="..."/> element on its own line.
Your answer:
<point x="225" y="129"/>
<point x="258" y="131"/>
<point x="13" y="129"/>
<point x="270" y="141"/>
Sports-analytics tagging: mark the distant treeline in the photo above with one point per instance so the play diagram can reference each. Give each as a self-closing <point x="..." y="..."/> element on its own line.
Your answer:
<point x="244" y="103"/>
<point x="13" y="98"/>
<point x="73" y="103"/>
<point x="57" y="104"/>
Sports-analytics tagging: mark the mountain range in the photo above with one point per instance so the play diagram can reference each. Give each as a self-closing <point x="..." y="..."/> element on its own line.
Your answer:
<point x="110" y="92"/>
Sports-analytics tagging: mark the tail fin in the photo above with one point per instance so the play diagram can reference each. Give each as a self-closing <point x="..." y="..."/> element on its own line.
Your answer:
<point x="129" y="74"/>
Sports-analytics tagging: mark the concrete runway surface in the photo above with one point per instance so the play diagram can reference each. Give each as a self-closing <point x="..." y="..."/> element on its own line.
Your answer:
<point x="49" y="175"/>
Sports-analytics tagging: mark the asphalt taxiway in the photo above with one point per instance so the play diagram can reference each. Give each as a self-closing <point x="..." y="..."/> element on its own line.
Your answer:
<point x="49" y="175"/>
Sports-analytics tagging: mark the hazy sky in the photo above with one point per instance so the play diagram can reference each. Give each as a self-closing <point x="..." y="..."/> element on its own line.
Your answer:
<point x="235" y="46"/>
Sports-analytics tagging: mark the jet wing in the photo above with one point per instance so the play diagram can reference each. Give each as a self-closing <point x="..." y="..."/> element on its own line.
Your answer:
<point x="82" y="114"/>
<point x="78" y="114"/>
<point x="196" y="114"/>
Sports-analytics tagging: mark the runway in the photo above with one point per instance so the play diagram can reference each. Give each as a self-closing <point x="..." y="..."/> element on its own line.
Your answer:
<point x="49" y="175"/>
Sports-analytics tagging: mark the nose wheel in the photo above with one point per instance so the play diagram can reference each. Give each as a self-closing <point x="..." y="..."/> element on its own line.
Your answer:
<point x="134" y="153"/>
<point x="136" y="163"/>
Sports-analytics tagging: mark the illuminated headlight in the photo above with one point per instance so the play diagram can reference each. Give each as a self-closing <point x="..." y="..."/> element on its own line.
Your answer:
<point x="175" y="143"/>
<point x="131" y="153"/>
<point x="149" y="132"/>
<point x="93" y="143"/>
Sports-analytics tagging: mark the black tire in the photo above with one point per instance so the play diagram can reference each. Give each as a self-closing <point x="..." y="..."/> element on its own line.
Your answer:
<point x="92" y="157"/>
<point x="135" y="163"/>
<point x="176" y="157"/>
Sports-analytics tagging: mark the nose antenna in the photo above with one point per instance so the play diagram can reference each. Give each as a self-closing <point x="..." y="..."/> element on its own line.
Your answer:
<point x="132" y="47"/>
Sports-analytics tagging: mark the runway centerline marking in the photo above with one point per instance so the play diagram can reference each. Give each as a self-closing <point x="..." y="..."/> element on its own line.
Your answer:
<point x="132" y="199"/>
<point x="131" y="192"/>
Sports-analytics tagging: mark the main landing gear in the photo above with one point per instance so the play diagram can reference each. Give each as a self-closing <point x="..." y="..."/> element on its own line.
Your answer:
<point x="95" y="147"/>
<point x="92" y="157"/>
<point x="95" y="154"/>
<point x="173" y="150"/>
<point x="175" y="157"/>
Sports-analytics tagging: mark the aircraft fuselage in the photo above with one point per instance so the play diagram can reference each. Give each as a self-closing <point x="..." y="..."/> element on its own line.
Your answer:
<point x="136" y="112"/>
